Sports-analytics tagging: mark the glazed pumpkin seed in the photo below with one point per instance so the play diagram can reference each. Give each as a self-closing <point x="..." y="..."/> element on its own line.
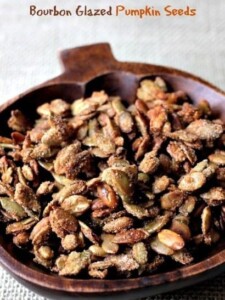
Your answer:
<point x="117" y="261"/>
<point x="135" y="210"/>
<point x="118" y="225"/>
<point x="45" y="165"/>
<point x="188" y="206"/>
<point x="100" y="274"/>
<point x="75" y="262"/>
<point x="140" y="253"/>
<point x="171" y="239"/>
<point x="101" y="265"/>
<point x="76" y="204"/>
<point x="157" y="224"/>
<point x="46" y="187"/>
<point x="82" y="107"/>
<point x="108" y="245"/>
<point x="21" y="177"/>
<point x="43" y="256"/>
<point x="172" y="200"/>
<point x="142" y="125"/>
<point x="41" y="231"/>
<point x="26" y="198"/>
<point x="160" y="184"/>
<point x="119" y="181"/>
<point x="149" y="164"/>
<point x="77" y="187"/>
<point x="215" y="196"/>
<point x="108" y="196"/>
<point x="70" y="242"/>
<point x="181" y="228"/>
<point x="19" y="226"/>
<point x="62" y="222"/>
<point x="206" y="219"/>
<point x="160" y="247"/>
<point x="12" y="208"/>
<point x="205" y="129"/>
<point x="210" y="170"/>
<point x="211" y="237"/>
<point x="28" y="173"/>
<point x="46" y="252"/>
<point x="21" y="239"/>
<point x="7" y="146"/>
<point x="192" y="181"/>
<point x="150" y="89"/>
<point x="182" y="256"/>
<point x="218" y="158"/>
<point x="88" y="233"/>
<point x="130" y="236"/>
<point x="118" y="105"/>
<point x="142" y="177"/>
<point x="97" y="251"/>
<point x="125" y="122"/>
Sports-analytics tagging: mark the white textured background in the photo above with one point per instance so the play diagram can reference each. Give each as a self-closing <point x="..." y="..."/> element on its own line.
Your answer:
<point x="28" y="56"/>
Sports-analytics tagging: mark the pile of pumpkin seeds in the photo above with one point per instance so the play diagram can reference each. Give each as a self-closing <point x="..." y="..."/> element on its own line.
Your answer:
<point x="100" y="186"/>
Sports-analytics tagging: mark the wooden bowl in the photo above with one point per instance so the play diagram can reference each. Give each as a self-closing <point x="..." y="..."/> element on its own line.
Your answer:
<point x="87" y="69"/>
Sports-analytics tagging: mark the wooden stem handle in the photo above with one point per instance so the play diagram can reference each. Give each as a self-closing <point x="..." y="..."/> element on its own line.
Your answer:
<point x="84" y="63"/>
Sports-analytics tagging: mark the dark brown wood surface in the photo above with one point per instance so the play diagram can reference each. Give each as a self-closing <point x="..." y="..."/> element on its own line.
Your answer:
<point x="87" y="69"/>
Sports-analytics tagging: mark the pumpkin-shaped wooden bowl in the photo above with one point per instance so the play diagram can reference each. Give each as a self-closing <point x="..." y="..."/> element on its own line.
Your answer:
<point x="88" y="69"/>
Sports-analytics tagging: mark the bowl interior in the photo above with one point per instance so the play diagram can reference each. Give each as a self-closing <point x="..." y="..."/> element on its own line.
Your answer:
<point x="117" y="83"/>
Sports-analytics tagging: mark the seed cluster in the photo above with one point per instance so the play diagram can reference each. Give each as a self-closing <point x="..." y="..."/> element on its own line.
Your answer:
<point x="98" y="186"/>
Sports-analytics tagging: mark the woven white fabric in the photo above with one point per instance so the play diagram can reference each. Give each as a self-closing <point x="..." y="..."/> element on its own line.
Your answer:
<point x="28" y="56"/>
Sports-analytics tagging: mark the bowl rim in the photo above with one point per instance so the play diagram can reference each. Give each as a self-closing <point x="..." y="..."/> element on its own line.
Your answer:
<point x="94" y="286"/>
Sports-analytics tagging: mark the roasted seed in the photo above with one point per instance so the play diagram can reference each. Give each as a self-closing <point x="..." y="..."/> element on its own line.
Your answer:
<point x="108" y="196"/>
<point x="192" y="181"/>
<point x="12" y="208"/>
<point x="140" y="253"/>
<point x="118" y="225"/>
<point x="171" y="239"/>
<point x="215" y="196"/>
<point x="62" y="222"/>
<point x="149" y="164"/>
<point x="70" y="242"/>
<point x="75" y="262"/>
<point x="21" y="239"/>
<point x="206" y="219"/>
<point x="182" y="256"/>
<point x="88" y="233"/>
<point x="17" y="227"/>
<point x="205" y="129"/>
<point x="76" y="204"/>
<point x="157" y="224"/>
<point x="172" y="200"/>
<point x="218" y="158"/>
<point x="108" y="245"/>
<point x="131" y="236"/>
<point x="26" y="198"/>
<point x="160" y="247"/>
<point x="97" y="251"/>
<point x="180" y="227"/>
<point x="41" y="231"/>
<point x="160" y="184"/>
<point x="122" y="262"/>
